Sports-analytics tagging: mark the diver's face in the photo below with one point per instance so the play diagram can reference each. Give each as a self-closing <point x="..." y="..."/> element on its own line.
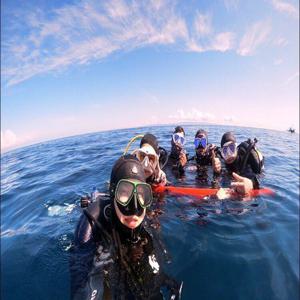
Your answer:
<point x="148" y="158"/>
<point x="200" y="151"/>
<point x="230" y="160"/>
<point x="229" y="152"/>
<point x="131" y="222"/>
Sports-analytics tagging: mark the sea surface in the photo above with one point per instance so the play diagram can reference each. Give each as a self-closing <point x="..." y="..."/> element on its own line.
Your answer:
<point x="219" y="249"/>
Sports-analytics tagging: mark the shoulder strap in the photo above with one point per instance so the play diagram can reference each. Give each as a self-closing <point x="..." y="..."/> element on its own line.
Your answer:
<point x="246" y="156"/>
<point x="163" y="157"/>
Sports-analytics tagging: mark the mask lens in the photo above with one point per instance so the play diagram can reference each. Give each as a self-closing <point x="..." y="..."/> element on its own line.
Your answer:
<point x="231" y="147"/>
<point x="224" y="151"/>
<point x="200" y="142"/>
<point x="144" y="194"/>
<point x="141" y="156"/>
<point x="124" y="192"/>
<point x="152" y="160"/>
<point x="228" y="150"/>
<point x="178" y="139"/>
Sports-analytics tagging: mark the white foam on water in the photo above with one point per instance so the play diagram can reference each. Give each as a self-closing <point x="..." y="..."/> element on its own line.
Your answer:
<point x="60" y="210"/>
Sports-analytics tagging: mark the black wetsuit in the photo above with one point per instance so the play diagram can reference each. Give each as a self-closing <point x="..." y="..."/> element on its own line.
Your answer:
<point x="205" y="159"/>
<point x="173" y="159"/>
<point x="249" y="163"/>
<point x="109" y="261"/>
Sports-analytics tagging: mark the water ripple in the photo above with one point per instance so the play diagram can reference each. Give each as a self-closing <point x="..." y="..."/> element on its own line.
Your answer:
<point x="220" y="249"/>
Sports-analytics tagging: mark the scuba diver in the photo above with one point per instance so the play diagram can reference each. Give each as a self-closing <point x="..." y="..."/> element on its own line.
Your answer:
<point x="205" y="156"/>
<point x="244" y="162"/>
<point x="178" y="156"/>
<point x="205" y="152"/>
<point x="115" y="254"/>
<point x="150" y="155"/>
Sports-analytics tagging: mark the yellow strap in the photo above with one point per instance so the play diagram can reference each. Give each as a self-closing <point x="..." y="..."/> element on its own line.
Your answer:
<point x="139" y="136"/>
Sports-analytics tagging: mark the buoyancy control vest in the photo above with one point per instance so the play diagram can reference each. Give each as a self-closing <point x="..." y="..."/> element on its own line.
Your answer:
<point x="250" y="155"/>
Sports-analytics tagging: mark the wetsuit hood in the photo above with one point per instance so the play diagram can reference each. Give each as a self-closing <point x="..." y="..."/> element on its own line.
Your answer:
<point x="126" y="167"/>
<point x="201" y="133"/>
<point x="179" y="129"/>
<point x="150" y="139"/>
<point x="227" y="137"/>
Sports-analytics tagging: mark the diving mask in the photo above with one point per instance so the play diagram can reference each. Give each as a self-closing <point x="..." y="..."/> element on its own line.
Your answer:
<point x="200" y="142"/>
<point x="129" y="190"/>
<point x="229" y="151"/>
<point x="148" y="158"/>
<point x="178" y="138"/>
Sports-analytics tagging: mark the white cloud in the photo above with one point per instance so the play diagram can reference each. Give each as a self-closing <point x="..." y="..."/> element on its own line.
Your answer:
<point x="87" y="31"/>
<point x="230" y="119"/>
<point x="280" y="42"/>
<point x="231" y="4"/>
<point x="38" y="42"/>
<point x="8" y="139"/>
<point x="194" y="46"/>
<point x="286" y="7"/>
<point x="192" y="115"/>
<point x="291" y="78"/>
<point x="202" y="24"/>
<point x="278" y="61"/>
<point x="223" y="41"/>
<point x="255" y="36"/>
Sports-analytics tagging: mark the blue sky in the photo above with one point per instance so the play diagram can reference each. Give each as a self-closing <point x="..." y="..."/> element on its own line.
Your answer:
<point x="71" y="67"/>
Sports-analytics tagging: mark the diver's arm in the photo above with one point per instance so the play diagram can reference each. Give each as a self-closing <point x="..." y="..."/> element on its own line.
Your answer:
<point x="81" y="256"/>
<point x="89" y="258"/>
<point x="83" y="232"/>
<point x="94" y="286"/>
<point x="216" y="162"/>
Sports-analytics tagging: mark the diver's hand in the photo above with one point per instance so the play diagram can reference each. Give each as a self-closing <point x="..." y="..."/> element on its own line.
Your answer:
<point x="182" y="159"/>
<point x="216" y="163"/>
<point x="223" y="193"/>
<point x="161" y="177"/>
<point x="242" y="185"/>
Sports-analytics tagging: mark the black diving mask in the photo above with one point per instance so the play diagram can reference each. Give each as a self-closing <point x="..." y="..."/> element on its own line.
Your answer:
<point x="133" y="196"/>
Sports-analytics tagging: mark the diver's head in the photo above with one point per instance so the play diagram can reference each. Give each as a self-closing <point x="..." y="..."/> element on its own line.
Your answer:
<point x="229" y="147"/>
<point x="151" y="140"/>
<point x="130" y="194"/>
<point x="148" y="154"/>
<point x="200" y="142"/>
<point x="178" y="139"/>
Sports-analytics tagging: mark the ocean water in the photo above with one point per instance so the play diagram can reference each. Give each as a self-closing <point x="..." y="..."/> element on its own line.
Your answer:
<point x="219" y="249"/>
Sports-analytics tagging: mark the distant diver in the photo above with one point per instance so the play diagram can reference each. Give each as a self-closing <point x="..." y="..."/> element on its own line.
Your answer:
<point x="291" y="130"/>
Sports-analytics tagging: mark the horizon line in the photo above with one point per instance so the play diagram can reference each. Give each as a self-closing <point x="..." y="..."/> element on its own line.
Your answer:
<point x="187" y="123"/>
